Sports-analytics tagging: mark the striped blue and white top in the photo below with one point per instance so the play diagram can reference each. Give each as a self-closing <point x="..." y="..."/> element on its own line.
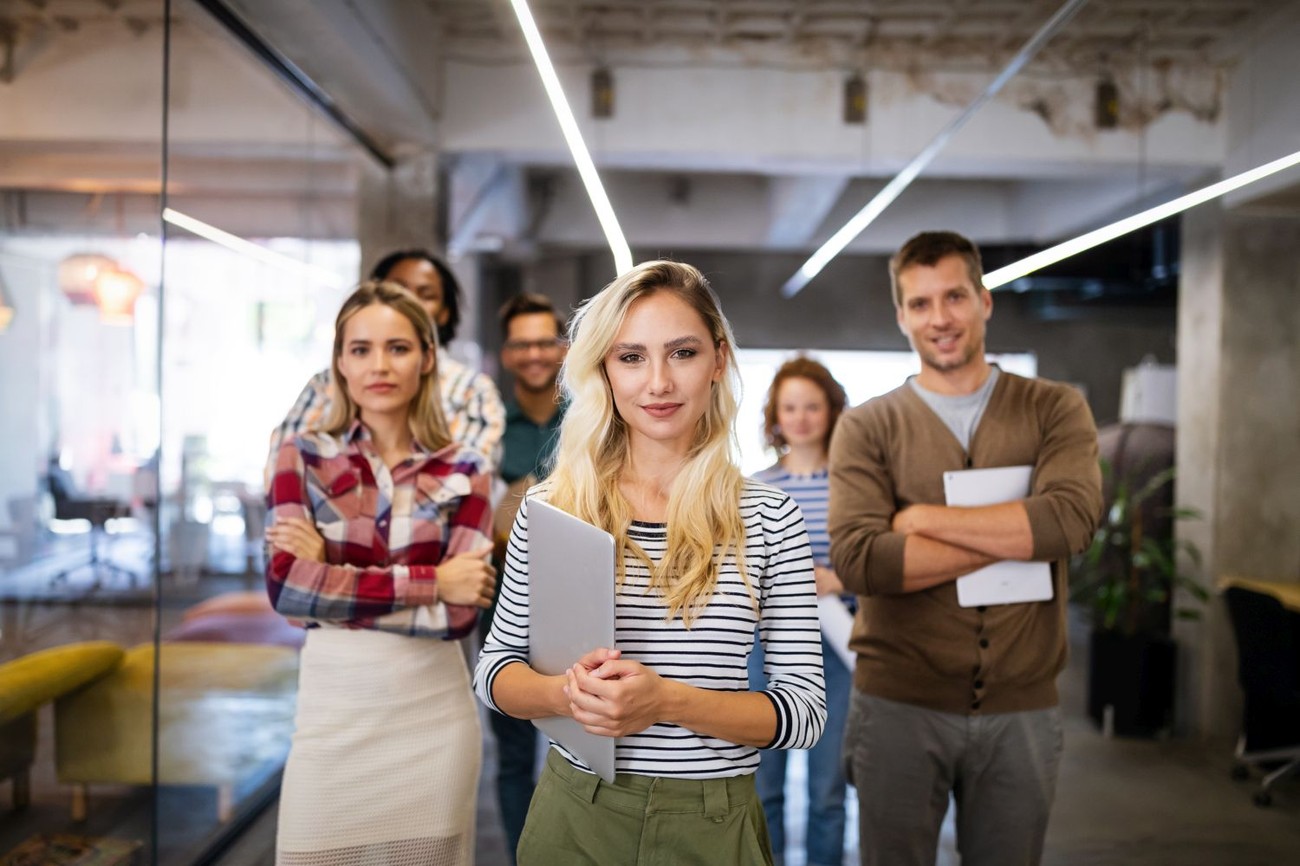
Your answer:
<point x="713" y="653"/>
<point x="812" y="493"/>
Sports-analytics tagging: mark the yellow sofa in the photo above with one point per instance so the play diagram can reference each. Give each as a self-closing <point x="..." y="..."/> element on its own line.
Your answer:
<point x="226" y="711"/>
<point x="31" y="681"/>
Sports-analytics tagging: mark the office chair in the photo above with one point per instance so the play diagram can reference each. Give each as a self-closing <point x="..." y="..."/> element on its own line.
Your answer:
<point x="1268" y="644"/>
<point x="97" y="510"/>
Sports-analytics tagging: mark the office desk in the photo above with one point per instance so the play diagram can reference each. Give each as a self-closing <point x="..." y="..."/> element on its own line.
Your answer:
<point x="1287" y="592"/>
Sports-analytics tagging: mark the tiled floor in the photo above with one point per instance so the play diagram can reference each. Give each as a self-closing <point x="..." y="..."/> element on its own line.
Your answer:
<point x="1147" y="803"/>
<point x="1119" y="803"/>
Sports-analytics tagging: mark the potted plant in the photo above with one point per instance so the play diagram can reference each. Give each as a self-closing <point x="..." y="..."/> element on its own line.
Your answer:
<point x="1126" y="578"/>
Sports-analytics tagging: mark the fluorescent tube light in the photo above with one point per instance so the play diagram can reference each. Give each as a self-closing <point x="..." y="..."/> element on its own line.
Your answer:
<point x="252" y="250"/>
<point x="1051" y="255"/>
<point x="572" y="135"/>
<point x="904" y="178"/>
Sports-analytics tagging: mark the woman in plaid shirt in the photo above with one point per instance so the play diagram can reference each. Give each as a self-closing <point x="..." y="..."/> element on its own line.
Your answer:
<point x="379" y="547"/>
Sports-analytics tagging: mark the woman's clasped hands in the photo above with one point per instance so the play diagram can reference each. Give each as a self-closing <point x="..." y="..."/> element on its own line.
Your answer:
<point x="614" y="697"/>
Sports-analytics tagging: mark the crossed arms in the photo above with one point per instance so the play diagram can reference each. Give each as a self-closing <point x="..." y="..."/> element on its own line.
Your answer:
<point x="879" y="548"/>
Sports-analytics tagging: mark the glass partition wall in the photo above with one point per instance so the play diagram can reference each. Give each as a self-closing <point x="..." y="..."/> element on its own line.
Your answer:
<point x="260" y="250"/>
<point x="150" y="339"/>
<point x="81" y="163"/>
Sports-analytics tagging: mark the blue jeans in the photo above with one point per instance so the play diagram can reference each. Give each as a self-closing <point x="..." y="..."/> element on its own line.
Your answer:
<point x="824" y="838"/>
<point x="516" y="773"/>
<point x="516" y="762"/>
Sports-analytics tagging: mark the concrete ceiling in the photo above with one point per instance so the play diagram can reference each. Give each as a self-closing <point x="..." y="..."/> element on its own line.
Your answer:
<point x="728" y="127"/>
<point x="717" y="73"/>
<point x="905" y="34"/>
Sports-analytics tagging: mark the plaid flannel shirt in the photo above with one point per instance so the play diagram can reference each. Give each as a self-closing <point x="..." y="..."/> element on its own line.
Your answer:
<point x="476" y="417"/>
<point x="385" y="532"/>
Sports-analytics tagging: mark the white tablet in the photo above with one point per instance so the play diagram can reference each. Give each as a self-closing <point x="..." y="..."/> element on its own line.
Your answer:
<point x="1008" y="581"/>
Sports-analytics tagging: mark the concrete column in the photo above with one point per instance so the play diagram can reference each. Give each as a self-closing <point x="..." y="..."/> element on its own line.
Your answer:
<point x="401" y="209"/>
<point x="398" y="207"/>
<point x="564" y="281"/>
<point x="1238" y="432"/>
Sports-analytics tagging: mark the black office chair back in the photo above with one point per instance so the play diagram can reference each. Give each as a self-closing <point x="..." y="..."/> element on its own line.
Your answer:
<point x="62" y="487"/>
<point x="1269" y="655"/>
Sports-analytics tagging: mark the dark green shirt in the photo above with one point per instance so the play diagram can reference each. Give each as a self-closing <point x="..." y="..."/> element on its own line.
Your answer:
<point x="527" y="445"/>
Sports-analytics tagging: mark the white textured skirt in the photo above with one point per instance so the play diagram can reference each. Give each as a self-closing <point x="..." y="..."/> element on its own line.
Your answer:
<point x="385" y="758"/>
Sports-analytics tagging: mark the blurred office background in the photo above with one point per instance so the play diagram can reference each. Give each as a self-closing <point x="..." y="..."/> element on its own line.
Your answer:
<point x="188" y="189"/>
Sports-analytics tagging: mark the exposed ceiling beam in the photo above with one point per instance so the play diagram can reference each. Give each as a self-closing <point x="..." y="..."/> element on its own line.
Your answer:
<point x="295" y="78"/>
<point x="799" y="205"/>
<point x="913" y="169"/>
<point x="483" y="192"/>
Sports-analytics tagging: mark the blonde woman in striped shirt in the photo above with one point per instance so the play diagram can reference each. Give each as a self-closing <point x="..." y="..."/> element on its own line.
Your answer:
<point x="645" y="453"/>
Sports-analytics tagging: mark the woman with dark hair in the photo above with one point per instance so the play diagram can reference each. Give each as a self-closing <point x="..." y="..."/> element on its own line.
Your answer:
<point x="799" y="416"/>
<point x="430" y="280"/>
<point x="705" y="557"/>
<point x="471" y="403"/>
<point x="379" y="547"/>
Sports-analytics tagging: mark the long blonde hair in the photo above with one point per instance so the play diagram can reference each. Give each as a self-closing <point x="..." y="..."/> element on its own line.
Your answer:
<point x="428" y="424"/>
<point x="704" y="522"/>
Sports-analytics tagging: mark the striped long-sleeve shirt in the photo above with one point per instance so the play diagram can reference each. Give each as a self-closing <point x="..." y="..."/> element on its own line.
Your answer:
<point x="713" y="652"/>
<point x="476" y="417"/>
<point x="811" y="492"/>
<point x="385" y="532"/>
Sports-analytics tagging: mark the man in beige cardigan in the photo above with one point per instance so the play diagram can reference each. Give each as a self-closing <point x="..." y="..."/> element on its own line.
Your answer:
<point x="952" y="699"/>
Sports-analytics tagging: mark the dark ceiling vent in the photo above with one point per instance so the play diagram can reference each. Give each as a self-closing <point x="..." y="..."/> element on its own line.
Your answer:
<point x="1137" y="271"/>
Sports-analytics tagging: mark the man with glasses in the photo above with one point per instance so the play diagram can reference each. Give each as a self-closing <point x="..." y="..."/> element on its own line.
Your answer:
<point x="532" y="353"/>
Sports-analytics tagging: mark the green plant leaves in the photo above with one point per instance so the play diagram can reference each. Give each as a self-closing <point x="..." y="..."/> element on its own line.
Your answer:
<point x="1128" y="572"/>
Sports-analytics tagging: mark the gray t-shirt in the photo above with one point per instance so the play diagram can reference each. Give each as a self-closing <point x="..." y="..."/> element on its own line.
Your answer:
<point x="960" y="412"/>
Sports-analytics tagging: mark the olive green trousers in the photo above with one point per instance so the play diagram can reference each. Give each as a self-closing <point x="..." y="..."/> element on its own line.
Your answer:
<point x="577" y="819"/>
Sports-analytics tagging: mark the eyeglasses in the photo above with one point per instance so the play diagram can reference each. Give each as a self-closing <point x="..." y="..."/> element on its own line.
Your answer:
<point x="540" y="345"/>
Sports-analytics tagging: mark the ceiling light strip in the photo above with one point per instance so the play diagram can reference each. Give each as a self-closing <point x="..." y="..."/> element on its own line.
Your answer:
<point x="1096" y="237"/>
<point x="892" y="190"/>
<point x="250" y="249"/>
<point x="572" y="135"/>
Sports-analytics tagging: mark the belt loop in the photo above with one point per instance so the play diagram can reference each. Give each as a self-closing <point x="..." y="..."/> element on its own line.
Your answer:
<point x="716" y="804"/>
<point x="590" y="783"/>
<point x="582" y="784"/>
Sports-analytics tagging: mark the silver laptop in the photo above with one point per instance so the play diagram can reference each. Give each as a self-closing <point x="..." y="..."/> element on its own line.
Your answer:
<point x="571" y="612"/>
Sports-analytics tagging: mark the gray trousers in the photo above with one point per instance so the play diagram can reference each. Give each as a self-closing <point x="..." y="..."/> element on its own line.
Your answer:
<point x="905" y="760"/>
